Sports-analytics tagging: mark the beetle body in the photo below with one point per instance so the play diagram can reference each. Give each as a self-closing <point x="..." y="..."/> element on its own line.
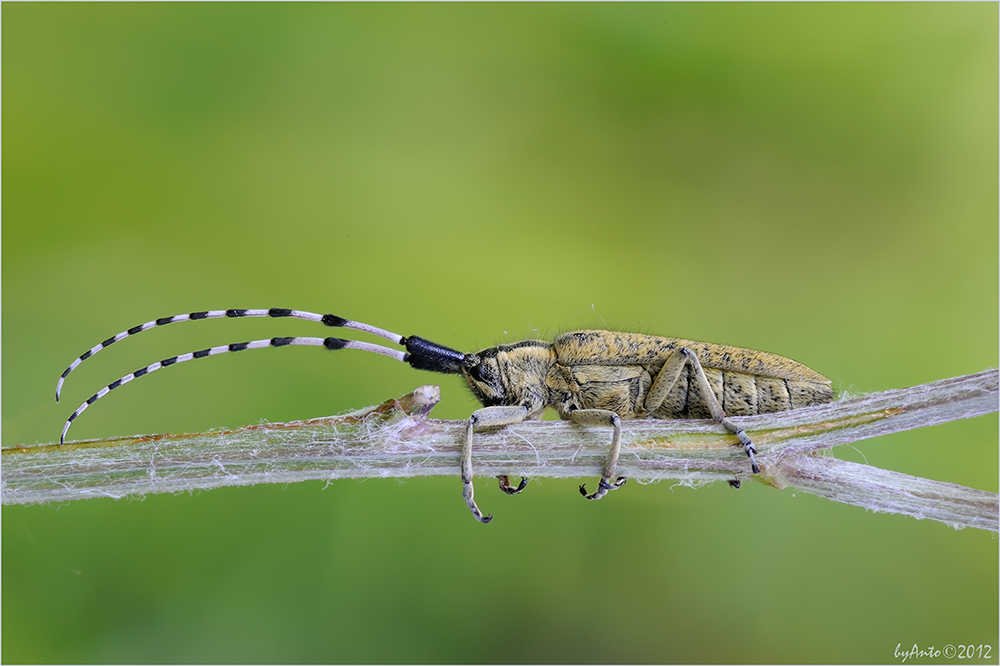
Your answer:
<point x="614" y="371"/>
<point x="603" y="377"/>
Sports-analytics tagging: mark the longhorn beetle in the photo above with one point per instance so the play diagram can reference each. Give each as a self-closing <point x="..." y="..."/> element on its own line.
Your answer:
<point x="588" y="377"/>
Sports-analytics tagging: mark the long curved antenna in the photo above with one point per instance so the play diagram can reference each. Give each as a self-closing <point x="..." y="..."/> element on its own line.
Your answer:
<point x="327" y="319"/>
<point x="329" y="343"/>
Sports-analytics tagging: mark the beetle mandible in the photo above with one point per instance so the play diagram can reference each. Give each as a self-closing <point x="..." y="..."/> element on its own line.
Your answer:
<point x="590" y="377"/>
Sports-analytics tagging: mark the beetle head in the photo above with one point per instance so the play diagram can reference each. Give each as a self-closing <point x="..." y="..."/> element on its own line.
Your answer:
<point x="511" y="374"/>
<point x="483" y="376"/>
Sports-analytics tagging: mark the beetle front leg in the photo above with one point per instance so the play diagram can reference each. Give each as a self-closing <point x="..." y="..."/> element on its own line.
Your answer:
<point x="603" y="417"/>
<point x="667" y="378"/>
<point x="485" y="417"/>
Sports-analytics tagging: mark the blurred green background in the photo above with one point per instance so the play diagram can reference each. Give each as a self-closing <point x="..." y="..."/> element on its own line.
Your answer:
<point x="816" y="180"/>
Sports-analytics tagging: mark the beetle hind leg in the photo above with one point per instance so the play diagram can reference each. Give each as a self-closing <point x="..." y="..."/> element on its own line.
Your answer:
<point x="668" y="377"/>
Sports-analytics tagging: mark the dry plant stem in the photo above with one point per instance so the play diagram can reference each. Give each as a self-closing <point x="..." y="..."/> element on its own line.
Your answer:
<point x="396" y="439"/>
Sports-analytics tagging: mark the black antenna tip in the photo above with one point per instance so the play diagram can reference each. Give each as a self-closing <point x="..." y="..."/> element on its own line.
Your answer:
<point x="426" y="355"/>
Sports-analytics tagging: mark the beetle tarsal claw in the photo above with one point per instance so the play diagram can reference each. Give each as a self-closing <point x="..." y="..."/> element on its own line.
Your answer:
<point x="477" y="514"/>
<point x="603" y="488"/>
<point x="750" y="450"/>
<point x="509" y="489"/>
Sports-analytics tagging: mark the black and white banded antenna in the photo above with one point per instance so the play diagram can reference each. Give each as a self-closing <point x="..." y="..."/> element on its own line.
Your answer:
<point x="420" y="353"/>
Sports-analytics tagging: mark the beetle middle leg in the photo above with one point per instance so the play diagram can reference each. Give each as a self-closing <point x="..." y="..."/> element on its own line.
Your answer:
<point x="667" y="378"/>
<point x="603" y="417"/>
<point x="509" y="489"/>
<point x="485" y="417"/>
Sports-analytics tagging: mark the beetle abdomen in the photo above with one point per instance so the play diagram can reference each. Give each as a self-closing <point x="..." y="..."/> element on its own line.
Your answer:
<point x="740" y="395"/>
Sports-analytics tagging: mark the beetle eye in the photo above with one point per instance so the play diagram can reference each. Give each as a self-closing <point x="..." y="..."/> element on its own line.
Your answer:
<point x="477" y="372"/>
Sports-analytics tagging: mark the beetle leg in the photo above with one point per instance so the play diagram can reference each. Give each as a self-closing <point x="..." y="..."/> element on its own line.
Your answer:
<point x="485" y="417"/>
<point x="509" y="489"/>
<point x="667" y="378"/>
<point x="603" y="417"/>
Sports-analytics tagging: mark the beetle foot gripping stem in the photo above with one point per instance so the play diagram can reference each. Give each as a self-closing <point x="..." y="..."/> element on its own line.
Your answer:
<point x="603" y="488"/>
<point x="509" y="489"/>
<point x="750" y="449"/>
